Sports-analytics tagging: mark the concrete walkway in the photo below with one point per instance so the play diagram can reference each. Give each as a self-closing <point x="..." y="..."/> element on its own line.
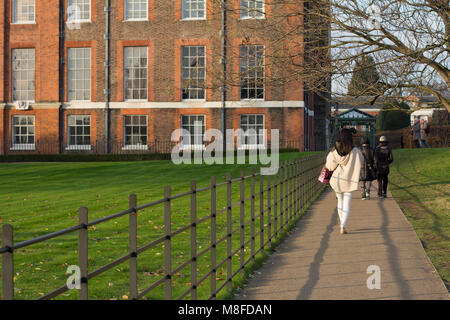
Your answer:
<point x="316" y="262"/>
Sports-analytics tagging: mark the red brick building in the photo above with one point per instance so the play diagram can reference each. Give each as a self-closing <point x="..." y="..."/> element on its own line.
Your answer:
<point x="78" y="75"/>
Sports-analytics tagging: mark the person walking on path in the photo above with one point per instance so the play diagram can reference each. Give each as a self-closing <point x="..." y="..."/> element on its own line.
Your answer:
<point x="423" y="133"/>
<point x="383" y="158"/>
<point x="415" y="131"/>
<point x="345" y="161"/>
<point x="368" y="170"/>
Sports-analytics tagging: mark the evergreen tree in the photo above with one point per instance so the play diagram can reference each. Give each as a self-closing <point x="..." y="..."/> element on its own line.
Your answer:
<point x="365" y="79"/>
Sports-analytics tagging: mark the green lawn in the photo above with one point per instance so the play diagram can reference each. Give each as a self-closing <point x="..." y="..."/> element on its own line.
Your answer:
<point x="39" y="198"/>
<point x="420" y="183"/>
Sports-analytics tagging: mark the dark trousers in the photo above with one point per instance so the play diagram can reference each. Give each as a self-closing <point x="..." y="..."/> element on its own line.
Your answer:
<point x="382" y="184"/>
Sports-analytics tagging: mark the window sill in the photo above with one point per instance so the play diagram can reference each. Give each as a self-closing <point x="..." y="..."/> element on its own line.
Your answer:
<point x="23" y="22"/>
<point x="253" y="100"/>
<point x="23" y="147"/>
<point x="252" y="18"/>
<point x="79" y="101"/>
<point x="252" y="147"/>
<point x="193" y="19"/>
<point x="136" y="20"/>
<point x="193" y="100"/>
<point x="79" y="21"/>
<point x="79" y="148"/>
<point x="136" y="147"/>
<point x="193" y="147"/>
<point x="135" y="101"/>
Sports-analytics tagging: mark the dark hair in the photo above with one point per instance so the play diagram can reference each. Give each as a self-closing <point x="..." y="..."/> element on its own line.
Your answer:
<point x="344" y="143"/>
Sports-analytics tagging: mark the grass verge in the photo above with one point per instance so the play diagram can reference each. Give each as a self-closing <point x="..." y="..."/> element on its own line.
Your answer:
<point x="420" y="183"/>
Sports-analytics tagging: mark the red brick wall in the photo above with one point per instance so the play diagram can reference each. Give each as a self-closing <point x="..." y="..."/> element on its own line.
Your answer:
<point x="43" y="36"/>
<point x="2" y="50"/>
<point x="164" y="34"/>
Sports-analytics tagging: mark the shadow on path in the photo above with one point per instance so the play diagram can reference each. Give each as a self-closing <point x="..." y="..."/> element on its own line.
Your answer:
<point x="313" y="278"/>
<point x="393" y="257"/>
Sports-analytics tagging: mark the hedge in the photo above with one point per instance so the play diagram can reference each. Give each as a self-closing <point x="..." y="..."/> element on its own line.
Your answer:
<point x="97" y="157"/>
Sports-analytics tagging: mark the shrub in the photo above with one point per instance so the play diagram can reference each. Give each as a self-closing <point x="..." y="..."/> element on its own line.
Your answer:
<point x="392" y="119"/>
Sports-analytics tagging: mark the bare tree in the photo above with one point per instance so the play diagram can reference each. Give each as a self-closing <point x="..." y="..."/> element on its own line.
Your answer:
<point x="321" y="40"/>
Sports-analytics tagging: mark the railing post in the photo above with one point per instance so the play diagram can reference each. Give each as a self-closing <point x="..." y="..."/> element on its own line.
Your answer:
<point x="261" y="212"/>
<point x="302" y="185"/>
<point x="252" y="216"/>
<point x="213" y="237"/>
<point x="296" y="211"/>
<point x="290" y="191"/>
<point x="275" y="203"/>
<point x="8" y="263"/>
<point x="286" y="196"/>
<point x="269" y="211"/>
<point x="167" y="245"/>
<point x="242" y="221"/>
<point x="133" y="247"/>
<point x="194" y="240"/>
<point x="83" y="253"/>
<point x="229" y="231"/>
<point x="281" y="199"/>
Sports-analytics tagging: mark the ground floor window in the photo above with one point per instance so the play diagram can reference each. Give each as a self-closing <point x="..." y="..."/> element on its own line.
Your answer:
<point x="23" y="132"/>
<point x="195" y="130"/>
<point x="252" y="130"/>
<point x="135" y="131"/>
<point x="79" y="132"/>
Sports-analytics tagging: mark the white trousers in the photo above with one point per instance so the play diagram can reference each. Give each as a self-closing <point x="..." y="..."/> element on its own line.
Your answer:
<point x="343" y="206"/>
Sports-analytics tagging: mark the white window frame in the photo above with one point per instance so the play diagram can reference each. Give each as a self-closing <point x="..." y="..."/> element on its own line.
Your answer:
<point x="190" y="18"/>
<point x="12" y="74"/>
<point x="74" y="70"/>
<point x="124" y="78"/>
<point x="15" y="21"/>
<point x="69" y="2"/>
<point x="255" y="146"/>
<point x="125" y="17"/>
<point x="192" y="145"/>
<point x="204" y="75"/>
<point x="134" y="146"/>
<point x="23" y="146"/>
<point x="263" y="77"/>
<point x="78" y="146"/>
<point x="245" y="15"/>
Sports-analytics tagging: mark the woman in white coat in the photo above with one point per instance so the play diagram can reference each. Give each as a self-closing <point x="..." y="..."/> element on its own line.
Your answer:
<point x="345" y="161"/>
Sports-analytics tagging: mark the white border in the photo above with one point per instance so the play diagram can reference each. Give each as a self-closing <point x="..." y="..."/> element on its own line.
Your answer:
<point x="185" y="104"/>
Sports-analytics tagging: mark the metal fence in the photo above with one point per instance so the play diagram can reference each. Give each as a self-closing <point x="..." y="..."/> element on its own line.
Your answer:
<point x="255" y="221"/>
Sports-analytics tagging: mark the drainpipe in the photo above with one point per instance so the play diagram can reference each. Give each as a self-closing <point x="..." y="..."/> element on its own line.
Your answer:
<point x="61" y="75"/>
<point x="223" y="33"/>
<point x="107" y="64"/>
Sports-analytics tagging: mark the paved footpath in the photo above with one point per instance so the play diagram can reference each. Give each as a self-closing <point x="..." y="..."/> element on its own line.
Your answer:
<point x="316" y="262"/>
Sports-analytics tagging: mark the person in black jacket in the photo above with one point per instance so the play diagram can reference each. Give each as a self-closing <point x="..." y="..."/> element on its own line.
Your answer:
<point x="383" y="158"/>
<point x="368" y="170"/>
